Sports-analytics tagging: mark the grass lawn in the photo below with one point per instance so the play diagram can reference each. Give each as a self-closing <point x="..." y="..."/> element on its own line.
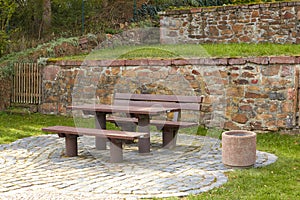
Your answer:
<point x="280" y="180"/>
<point x="190" y="51"/>
<point x="15" y="126"/>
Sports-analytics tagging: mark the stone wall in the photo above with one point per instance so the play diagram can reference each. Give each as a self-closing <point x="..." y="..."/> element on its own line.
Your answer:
<point x="274" y="22"/>
<point x="5" y="93"/>
<point x="240" y="93"/>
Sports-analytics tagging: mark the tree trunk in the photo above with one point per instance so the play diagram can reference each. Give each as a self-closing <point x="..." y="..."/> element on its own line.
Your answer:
<point x="46" y="16"/>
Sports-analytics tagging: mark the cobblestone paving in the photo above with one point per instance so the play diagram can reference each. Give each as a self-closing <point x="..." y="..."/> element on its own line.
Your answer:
<point x="35" y="168"/>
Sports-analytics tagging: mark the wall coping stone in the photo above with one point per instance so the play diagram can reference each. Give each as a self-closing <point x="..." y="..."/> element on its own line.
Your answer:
<point x="229" y="7"/>
<point x="264" y="60"/>
<point x="66" y="62"/>
<point x="282" y="60"/>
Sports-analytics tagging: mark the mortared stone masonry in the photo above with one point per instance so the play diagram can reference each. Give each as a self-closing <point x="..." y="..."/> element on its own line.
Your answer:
<point x="240" y="93"/>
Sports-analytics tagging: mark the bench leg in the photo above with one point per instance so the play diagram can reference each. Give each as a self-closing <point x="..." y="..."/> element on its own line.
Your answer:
<point x="131" y="127"/>
<point x="100" y="143"/>
<point x="100" y="123"/>
<point x="128" y="126"/>
<point x="71" y="145"/>
<point x="116" y="150"/>
<point x="169" y="137"/>
<point x="143" y="126"/>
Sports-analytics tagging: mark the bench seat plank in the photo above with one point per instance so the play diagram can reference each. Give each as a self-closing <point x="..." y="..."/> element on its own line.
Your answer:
<point x="160" y="123"/>
<point x="124" y="135"/>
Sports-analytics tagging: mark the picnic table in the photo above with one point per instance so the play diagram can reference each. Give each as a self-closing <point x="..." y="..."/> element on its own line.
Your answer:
<point x="142" y="113"/>
<point x="139" y="108"/>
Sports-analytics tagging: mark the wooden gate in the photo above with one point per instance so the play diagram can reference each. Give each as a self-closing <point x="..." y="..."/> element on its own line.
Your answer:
<point x="27" y="84"/>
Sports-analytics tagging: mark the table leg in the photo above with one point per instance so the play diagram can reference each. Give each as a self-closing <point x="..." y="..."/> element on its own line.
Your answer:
<point x="116" y="150"/>
<point x="143" y="126"/>
<point x="100" y="122"/>
<point x="71" y="145"/>
<point x="169" y="137"/>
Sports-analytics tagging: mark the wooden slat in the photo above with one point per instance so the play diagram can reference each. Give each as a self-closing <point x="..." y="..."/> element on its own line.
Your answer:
<point x="159" y="97"/>
<point x="94" y="132"/>
<point x="124" y="109"/>
<point x="162" y="123"/>
<point x="19" y="83"/>
<point x="22" y="83"/>
<point x="183" y="106"/>
<point x="297" y="99"/>
<point x="31" y="83"/>
<point x="14" y="84"/>
<point x="39" y="85"/>
<point x="27" y="83"/>
<point x="34" y="83"/>
<point x="33" y="76"/>
<point x="15" y="99"/>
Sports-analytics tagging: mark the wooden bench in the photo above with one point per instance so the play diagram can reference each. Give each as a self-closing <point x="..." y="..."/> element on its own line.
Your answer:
<point x="169" y="127"/>
<point x="115" y="137"/>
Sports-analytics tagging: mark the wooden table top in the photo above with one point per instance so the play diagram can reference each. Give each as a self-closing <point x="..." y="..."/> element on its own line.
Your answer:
<point x="105" y="108"/>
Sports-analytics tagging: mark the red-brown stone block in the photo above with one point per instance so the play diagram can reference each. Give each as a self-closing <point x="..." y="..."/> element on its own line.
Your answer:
<point x="287" y="71"/>
<point x="235" y="92"/>
<point x="115" y="70"/>
<point x="238" y="28"/>
<point x="271" y="70"/>
<point x="282" y="60"/>
<point x="50" y="72"/>
<point x="255" y="95"/>
<point x="248" y="75"/>
<point x="265" y="116"/>
<point x="231" y="126"/>
<point x="259" y="60"/>
<point x="287" y="107"/>
<point x="240" y="118"/>
<point x="257" y="125"/>
<point x="246" y="108"/>
<point x="236" y="61"/>
<point x="255" y="13"/>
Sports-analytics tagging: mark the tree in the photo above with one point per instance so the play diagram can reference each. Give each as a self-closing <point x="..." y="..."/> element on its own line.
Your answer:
<point x="7" y="8"/>
<point x="46" y="19"/>
<point x="28" y="20"/>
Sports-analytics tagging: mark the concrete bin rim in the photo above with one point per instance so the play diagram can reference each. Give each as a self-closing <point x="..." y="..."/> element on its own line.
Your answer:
<point x="238" y="134"/>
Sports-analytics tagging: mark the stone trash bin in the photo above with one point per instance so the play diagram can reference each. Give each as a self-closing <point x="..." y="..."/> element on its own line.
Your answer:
<point x="238" y="148"/>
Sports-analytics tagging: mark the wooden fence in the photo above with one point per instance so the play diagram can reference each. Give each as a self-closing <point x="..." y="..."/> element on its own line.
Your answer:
<point x="27" y="84"/>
